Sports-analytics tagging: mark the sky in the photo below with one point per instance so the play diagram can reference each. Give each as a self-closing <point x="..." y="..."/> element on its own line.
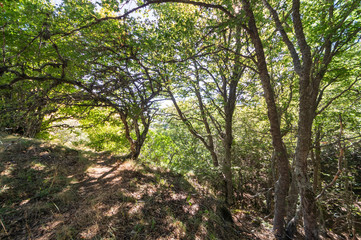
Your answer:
<point x="56" y="2"/>
<point x="128" y="5"/>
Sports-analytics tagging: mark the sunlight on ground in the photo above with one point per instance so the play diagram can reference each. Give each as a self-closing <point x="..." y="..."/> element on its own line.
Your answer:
<point x="97" y="171"/>
<point x="90" y="232"/>
<point x="38" y="166"/>
<point x="65" y="193"/>
<point x="8" y="170"/>
<point x="112" y="211"/>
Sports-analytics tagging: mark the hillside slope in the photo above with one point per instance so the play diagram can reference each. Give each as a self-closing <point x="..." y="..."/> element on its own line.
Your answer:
<point x="49" y="191"/>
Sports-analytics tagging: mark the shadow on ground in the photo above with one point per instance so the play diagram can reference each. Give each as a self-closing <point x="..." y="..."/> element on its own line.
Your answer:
<point x="53" y="192"/>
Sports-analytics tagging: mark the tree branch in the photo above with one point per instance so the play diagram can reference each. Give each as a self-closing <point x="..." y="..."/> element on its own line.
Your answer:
<point x="337" y="96"/>
<point x="123" y="16"/>
<point x="340" y="158"/>
<point x="286" y="40"/>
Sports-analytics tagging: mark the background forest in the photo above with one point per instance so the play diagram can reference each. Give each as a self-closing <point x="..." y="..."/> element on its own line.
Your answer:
<point x="259" y="101"/>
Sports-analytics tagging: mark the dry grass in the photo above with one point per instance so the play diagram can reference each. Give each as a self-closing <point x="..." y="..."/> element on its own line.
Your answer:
<point x="53" y="192"/>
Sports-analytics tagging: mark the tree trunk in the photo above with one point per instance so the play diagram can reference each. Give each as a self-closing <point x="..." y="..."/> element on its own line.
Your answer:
<point x="135" y="145"/>
<point x="282" y="185"/>
<point x="292" y="199"/>
<point x="292" y="211"/>
<point x="308" y="89"/>
<point x="208" y="144"/>
<point x="317" y="162"/>
<point x="306" y="115"/>
<point x="227" y="162"/>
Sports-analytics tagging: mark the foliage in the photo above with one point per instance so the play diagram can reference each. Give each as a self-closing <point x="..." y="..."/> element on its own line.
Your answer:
<point x="234" y="71"/>
<point x="105" y="132"/>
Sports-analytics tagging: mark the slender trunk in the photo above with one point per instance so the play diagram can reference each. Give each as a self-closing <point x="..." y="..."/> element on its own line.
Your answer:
<point x="317" y="162"/>
<point x="208" y="144"/>
<point x="292" y="199"/>
<point x="135" y="144"/>
<point x="123" y="117"/>
<point x="282" y="185"/>
<point x="227" y="163"/>
<point x="229" y="98"/>
<point x="241" y="189"/>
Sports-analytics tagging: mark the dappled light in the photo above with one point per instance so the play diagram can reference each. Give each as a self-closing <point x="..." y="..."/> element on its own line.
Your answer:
<point x="180" y="119"/>
<point x="67" y="196"/>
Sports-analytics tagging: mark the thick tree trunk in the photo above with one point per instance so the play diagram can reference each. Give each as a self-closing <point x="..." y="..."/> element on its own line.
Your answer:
<point x="306" y="115"/>
<point x="292" y="211"/>
<point x="308" y="89"/>
<point x="214" y="158"/>
<point x="282" y="185"/>
<point x="311" y="70"/>
<point x="281" y="191"/>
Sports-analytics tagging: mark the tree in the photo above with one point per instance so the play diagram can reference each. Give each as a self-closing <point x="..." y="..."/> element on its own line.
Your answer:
<point x="208" y="70"/>
<point x="126" y="71"/>
<point x="26" y="54"/>
<point x="311" y="71"/>
<point x="114" y="73"/>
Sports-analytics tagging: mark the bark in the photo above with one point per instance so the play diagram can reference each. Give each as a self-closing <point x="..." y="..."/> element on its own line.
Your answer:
<point x="227" y="163"/>
<point x="229" y="98"/>
<point x="210" y="143"/>
<point x="292" y="199"/>
<point x="311" y="71"/>
<point x="306" y="115"/>
<point x="282" y="185"/>
<point x="292" y="211"/>
<point x="309" y="89"/>
<point x="317" y="163"/>
<point x="135" y="144"/>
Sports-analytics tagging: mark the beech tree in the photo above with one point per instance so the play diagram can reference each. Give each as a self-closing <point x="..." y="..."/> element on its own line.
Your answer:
<point x="208" y="71"/>
<point x="123" y="62"/>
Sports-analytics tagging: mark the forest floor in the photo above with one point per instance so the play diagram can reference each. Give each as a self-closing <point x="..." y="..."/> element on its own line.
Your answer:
<point x="49" y="191"/>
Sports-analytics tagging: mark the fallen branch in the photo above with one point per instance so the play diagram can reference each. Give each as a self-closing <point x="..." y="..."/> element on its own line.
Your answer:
<point x="2" y="224"/>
